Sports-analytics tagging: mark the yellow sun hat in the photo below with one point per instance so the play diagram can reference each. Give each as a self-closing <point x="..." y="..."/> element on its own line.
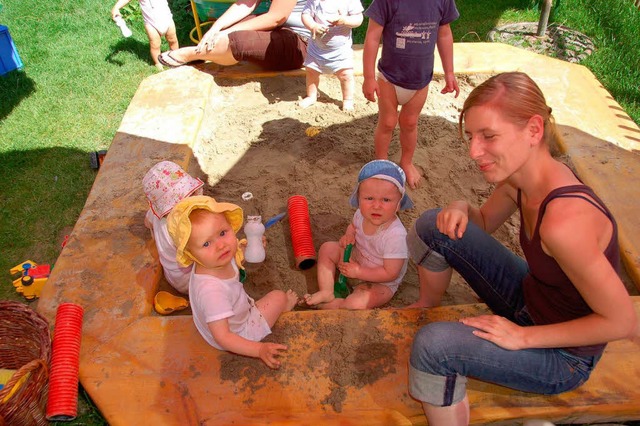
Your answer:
<point x="179" y="225"/>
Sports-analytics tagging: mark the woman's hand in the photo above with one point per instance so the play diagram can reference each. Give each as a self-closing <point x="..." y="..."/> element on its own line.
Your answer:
<point x="453" y="219"/>
<point x="270" y="352"/>
<point x="498" y="330"/>
<point x="209" y="40"/>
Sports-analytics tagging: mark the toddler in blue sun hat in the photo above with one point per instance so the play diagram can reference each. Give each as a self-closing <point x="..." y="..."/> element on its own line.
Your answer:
<point x="379" y="255"/>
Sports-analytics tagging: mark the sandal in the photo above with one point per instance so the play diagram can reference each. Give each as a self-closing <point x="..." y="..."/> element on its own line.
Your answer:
<point x="172" y="62"/>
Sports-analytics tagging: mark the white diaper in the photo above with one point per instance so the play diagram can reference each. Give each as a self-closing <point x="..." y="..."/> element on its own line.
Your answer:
<point x="402" y="95"/>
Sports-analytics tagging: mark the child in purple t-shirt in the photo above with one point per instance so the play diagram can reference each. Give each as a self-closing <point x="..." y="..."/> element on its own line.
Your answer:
<point x="410" y="31"/>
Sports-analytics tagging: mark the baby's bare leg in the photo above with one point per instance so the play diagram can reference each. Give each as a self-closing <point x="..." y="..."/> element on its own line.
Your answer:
<point x="347" y="84"/>
<point x="313" y="80"/>
<point x="172" y="37"/>
<point x="328" y="257"/>
<point x="368" y="296"/>
<point x="154" y="43"/>
<point x="274" y="303"/>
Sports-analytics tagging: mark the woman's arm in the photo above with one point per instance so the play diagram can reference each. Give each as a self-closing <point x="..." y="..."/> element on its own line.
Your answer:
<point x="267" y="352"/>
<point x="500" y="205"/>
<point x="277" y="15"/>
<point x="575" y="236"/>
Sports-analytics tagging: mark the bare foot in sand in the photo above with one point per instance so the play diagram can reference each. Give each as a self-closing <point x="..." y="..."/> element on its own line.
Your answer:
<point x="413" y="175"/>
<point x="292" y="300"/>
<point x="416" y="305"/>
<point x="318" y="298"/>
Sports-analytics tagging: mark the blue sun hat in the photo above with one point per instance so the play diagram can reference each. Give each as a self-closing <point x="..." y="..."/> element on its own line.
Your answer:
<point x="385" y="170"/>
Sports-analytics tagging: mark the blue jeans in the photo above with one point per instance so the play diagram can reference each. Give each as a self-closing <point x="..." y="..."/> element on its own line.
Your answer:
<point x="445" y="353"/>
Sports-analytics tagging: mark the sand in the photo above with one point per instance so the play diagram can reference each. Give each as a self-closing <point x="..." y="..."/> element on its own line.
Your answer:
<point x="254" y="140"/>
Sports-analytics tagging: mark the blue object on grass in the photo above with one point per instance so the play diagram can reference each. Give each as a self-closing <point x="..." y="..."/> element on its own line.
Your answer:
<point x="9" y="57"/>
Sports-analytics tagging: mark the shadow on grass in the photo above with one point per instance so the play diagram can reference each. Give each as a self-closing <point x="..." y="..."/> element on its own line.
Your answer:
<point x="43" y="192"/>
<point x="14" y="87"/>
<point x="131" y="45"/>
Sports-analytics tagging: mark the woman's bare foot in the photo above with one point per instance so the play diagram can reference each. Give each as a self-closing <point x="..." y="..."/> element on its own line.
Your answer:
<point x="413" y="175"/>
<point x="318" y="298"/>
<point x="292" y="300"/>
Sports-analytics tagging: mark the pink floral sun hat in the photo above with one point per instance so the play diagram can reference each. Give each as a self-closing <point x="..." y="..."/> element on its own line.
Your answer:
<point x="166" y="184"/>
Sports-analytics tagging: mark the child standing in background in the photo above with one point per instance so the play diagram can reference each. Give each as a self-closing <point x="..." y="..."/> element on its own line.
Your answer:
<point x="158" y="23"/>
<point x="380" y="255"/>
<point x="165" y="185"/>
<point x="329" y="50"/>
<point x="204" y="232"/>
<point x="410" y="30"/>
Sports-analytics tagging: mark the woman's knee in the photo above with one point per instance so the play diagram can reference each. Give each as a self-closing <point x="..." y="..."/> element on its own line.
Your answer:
<point x="430" y="346"/>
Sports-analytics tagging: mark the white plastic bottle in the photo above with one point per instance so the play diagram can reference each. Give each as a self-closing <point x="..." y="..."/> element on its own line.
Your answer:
<point x="254" y="230"/>
<point x="126" y="32"/>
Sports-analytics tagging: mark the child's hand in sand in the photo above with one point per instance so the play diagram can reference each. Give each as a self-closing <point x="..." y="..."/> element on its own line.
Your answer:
<point x="270" y="352"/>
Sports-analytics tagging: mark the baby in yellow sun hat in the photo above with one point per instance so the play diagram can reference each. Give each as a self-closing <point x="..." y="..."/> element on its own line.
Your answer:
<point x="204" y="232"/>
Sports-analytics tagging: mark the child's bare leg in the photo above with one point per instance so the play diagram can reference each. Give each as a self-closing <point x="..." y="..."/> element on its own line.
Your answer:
<point x="432" y="287"/>
<point x="387" y="118"/>
<point x="275" y="303"/>
<point x="154" y="43"/>
<point x="347" y="84"/>
<point x="408" y="119"/>
<point x="172" y="38"/>
<point x="328" y="257"/>
<point x="313" y="80"/>
<point x="368" y="296"/>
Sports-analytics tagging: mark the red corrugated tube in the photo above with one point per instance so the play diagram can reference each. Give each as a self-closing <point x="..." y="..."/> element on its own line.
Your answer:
<point x="300" y="227"/>
<point x="62" y="403"/>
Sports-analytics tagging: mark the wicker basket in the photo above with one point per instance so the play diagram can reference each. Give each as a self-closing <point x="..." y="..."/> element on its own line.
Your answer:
<point x="25" y="346"/>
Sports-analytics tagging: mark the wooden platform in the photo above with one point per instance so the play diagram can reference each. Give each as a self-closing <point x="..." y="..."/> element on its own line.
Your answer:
<point x="141" y="368"/>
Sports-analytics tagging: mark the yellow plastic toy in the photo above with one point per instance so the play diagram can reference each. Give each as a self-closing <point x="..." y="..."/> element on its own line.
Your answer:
<point x="166" y="303"/>
<point x="32" y="278"/>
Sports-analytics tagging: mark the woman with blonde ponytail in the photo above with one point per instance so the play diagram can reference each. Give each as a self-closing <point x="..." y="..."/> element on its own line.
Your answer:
<point x="553" y="310"/>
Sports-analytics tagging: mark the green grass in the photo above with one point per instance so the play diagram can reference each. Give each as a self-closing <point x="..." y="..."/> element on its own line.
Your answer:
<point x="80" y="76"/>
